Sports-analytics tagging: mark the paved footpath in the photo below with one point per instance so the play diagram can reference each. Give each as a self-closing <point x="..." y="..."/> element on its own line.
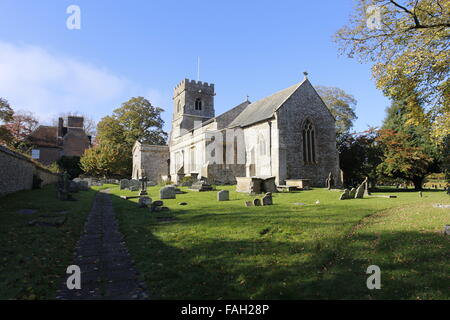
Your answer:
<point x="107" y="269"/>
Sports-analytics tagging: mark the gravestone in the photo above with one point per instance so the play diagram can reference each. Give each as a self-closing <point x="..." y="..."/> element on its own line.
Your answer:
<point x="257" y="202"/>
<point x="223" y="195"/>
<point x="447" y="230"/>
<point x="330" y="181"/>
<point x="144" y="202"/>
<point x="362" y="189"/>
<point x="133" y="184"/>
<point x="345" y="195"/>
<point x="167" y="193"/>
<point x="201" y="186"/>
<point x="352" y="193"/>
<point x="124" y="184"/>
<point x="248" y="204"/>
<point x="267" y="199"/>
<point x="156" y="206"/>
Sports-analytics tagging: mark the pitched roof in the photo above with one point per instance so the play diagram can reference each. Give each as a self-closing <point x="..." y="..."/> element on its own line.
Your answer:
<point x="264" y="109"/>
<point x="44" y="136"/>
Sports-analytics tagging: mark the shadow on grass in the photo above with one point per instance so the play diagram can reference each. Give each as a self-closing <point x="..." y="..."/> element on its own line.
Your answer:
<point x="185" y="265"/>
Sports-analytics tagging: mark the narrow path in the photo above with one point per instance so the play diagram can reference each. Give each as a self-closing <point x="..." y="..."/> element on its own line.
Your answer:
<point x="107" y="269"/>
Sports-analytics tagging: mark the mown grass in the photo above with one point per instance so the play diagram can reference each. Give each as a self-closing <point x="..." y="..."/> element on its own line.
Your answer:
<point x="223" y="250"/>
<point x="33" y="259"/>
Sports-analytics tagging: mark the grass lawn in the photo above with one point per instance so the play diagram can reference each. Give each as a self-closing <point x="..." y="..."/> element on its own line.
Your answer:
<point x="33" y="259"/>
<point x="223" y="250"/>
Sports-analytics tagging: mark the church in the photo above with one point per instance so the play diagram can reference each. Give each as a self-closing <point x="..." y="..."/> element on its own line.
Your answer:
<point x="287" y="135"/>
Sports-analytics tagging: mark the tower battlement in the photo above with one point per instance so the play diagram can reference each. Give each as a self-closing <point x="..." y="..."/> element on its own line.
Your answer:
<point x="194" y="86"/>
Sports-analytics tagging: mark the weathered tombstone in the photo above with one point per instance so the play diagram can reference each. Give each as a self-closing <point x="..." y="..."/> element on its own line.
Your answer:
<point x="330" y="181"/>
<point x="257" y="202"/>
<point x="362" y="189"/>
<point x="352" y="193"/>
<point x="269" y="185"/>
<point x="345" y="195"/>
<point x="133" y="183"/>
<point x="156" y="205"/>
<point x="124" y="184"/>
<point x="420" y="194"/>
<point x="144" y="202"/>
<point x="447" y="230"/>
<point x="267" y="199"/>
<point x="167" y="193"/>
<point x="201" y="186"/>
<point x="223" y="195"/>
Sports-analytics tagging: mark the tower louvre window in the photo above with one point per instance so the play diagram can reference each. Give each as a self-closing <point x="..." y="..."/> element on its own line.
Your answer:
<point x="309" y="144"/>
<point x="198" y="104"/>
<point x="179" y="106"/>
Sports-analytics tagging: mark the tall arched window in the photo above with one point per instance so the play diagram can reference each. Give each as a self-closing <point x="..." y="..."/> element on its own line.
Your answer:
<point x="179" y="106"/>
<point x="309" y="145"/>
<point x="198" y="104"/>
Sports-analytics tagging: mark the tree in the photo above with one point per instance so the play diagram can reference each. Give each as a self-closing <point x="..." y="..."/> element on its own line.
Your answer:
<point x="6" y="114"/>
<point x="408" y="152"/>
<point x="71" y="165"/>
<point x="409" y="45"/>
<point x="359" y="156"/>
<point x="445" y="151"/>
<point x="106" y="160"/>
<point x="135" y="120"/>
<point x="342" y="107"/>
<point x="20" y="127"/>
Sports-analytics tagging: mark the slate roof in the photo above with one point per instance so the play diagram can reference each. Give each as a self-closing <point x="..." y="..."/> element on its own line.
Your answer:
<point x="264" y="109"/>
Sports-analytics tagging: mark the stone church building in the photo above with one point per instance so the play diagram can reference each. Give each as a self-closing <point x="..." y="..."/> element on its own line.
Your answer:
<point x="288" y="135"/>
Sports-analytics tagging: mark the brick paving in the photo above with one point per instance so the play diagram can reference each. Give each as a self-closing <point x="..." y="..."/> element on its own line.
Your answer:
<point x="107" y="269"/>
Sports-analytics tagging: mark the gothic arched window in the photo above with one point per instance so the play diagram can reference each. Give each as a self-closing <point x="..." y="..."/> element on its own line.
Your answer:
<point x="198" y="104"/>
<point x="309" y="145"/>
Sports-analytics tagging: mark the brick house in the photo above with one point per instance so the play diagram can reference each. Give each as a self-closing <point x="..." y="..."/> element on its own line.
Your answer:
<point x="51" y="143"/>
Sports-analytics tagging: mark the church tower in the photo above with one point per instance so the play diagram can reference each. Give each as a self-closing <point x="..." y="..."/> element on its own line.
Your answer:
<point x="193" y="103"/>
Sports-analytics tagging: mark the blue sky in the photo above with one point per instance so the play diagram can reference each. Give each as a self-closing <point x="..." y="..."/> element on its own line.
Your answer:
<point x="131" y="48"/>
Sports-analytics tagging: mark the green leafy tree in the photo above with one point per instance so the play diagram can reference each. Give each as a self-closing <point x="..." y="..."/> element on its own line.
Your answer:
<point x="135" y="120"/>
<point x="6" y="115"/>
<point x="410" y="48"/>
<point x="408" y="152"/>
<point x="105" y="160"/>
<point x="342" y="106"/>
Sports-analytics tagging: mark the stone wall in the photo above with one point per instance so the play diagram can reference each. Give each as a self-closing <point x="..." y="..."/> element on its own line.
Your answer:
<point x="16" y="172"/>
<point x="151" y="158"/>
<point x="305" y="104"/>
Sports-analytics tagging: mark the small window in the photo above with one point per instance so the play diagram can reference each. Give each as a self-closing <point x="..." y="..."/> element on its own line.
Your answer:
<point x="179" y="106"/>
<point x="198" y="104"/>
<point x="35" y="153"/>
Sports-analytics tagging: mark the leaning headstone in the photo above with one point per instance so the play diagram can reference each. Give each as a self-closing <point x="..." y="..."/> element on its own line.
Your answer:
<point x="267" y="199"/>
<point x="345" y="195"/>
<point x="167" y="193"/>
<point x="257" y="202"/>
<point x="124" y="183"/>
<point x="223" y="195"/>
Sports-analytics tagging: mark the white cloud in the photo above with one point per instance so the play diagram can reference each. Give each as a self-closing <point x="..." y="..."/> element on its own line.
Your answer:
<point x="33" y="79"/>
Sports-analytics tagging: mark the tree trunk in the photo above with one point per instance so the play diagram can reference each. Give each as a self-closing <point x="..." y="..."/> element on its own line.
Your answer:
<point x="418" y="182"/>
